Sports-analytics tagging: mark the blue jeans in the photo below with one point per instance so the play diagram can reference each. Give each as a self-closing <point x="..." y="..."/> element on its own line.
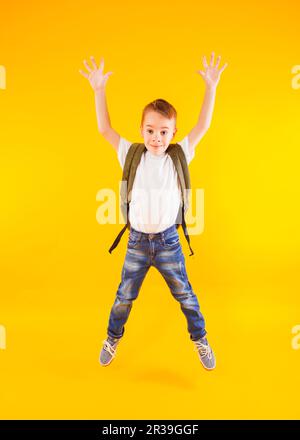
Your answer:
<point x="163" y="251"/>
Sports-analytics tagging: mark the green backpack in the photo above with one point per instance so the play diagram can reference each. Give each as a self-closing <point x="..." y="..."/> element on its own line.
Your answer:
<point x="132" y="161"/>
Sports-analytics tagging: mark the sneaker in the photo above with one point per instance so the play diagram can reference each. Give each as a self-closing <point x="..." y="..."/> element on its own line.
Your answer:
<point x="108" y="351"/>
<point x="206" y="354"/>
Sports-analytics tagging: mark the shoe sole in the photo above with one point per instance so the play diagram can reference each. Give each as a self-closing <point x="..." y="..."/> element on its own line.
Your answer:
<point x="105" y="365"/>
<point x="109" y="362"/>
<point x="208" y="369"/>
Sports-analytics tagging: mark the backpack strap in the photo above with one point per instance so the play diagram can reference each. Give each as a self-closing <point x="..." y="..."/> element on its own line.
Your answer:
<point x="186" y="232"/>
<point x="119" y="236"/>
<point x="177" y="155"/>
<point x="127" y="180"/>
<point x="136" y="158"/>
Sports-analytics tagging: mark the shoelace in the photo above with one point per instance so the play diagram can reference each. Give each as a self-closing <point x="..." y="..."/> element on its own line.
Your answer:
<point x="109" y="348"/>
<point x="204" y="349"/>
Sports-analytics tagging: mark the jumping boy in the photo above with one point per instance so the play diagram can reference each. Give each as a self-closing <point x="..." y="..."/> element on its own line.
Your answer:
<point x="153" y="238"/>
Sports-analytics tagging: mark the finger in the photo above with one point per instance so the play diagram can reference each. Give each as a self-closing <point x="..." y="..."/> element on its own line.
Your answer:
<point x="212" y="59"/>
<point x="94" y="62"/>
<point x="87" y="66"/>
<point x="201" y="73"/>
<point x="205" y="62"/>
<point x="218" y="61"/>
<point x="223" y="67"/>
<point x="107" y="75"/>
<point x="102" y="64"/>
<point x="83" y="73"/>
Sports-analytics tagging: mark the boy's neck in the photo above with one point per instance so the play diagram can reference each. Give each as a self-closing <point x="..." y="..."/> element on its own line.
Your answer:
<point x="158" y="156"/>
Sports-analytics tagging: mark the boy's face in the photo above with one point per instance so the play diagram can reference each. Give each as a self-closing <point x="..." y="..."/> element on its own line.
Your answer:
<point x="157" y="132"/>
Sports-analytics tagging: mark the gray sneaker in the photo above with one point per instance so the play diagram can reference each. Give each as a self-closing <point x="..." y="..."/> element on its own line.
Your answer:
<point x="206" y="354"/>
<point x="108" y="351"/>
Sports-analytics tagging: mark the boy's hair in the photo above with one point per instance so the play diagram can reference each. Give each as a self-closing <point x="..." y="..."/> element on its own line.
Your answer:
<point x="160" y="106"/>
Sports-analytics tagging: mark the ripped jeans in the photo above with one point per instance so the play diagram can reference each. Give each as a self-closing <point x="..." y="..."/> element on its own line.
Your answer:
<point x="163" y="251"/>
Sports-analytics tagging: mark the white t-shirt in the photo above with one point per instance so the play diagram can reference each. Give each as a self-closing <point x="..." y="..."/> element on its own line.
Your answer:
<point x="156" y="194"/>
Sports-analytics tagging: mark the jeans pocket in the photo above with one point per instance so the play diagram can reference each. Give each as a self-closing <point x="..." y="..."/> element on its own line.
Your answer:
<point x="170" y="242"/>
<point x="132" y="240"/>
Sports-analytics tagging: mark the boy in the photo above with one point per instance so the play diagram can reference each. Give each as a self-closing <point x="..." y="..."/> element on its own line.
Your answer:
<point x="153" y="238"/>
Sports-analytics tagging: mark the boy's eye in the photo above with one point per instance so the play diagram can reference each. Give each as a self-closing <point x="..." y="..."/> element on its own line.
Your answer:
<point x="164" y="131"/>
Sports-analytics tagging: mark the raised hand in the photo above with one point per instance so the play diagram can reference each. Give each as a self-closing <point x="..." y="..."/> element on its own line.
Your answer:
<point x="95" y="76"/>
<point x="211" y="74"/>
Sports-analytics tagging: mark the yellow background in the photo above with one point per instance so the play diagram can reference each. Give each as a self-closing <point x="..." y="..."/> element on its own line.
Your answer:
<point x="58" y="281"/>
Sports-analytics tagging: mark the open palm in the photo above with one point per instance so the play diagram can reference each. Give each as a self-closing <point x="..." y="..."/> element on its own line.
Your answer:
<point x="211" y="74"/>
<point x="95" y="75"/>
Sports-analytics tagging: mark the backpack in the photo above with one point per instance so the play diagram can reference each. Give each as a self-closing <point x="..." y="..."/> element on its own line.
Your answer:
<point x="132" y="161"/>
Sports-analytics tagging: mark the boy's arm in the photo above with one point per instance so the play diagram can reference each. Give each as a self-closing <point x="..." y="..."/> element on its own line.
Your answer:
<point x="211" y="76"/>
<point x="197" y="133"/>
<point x="98" y="82"/>
<point x="103" y="119"/>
